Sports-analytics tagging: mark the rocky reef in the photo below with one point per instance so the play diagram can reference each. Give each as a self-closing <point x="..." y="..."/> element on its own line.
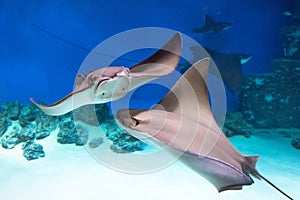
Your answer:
<point x="122" y="141"/>
<point x="69" y="133"/>
<point x="32" y="151"/>
<point x="26" y="124"/>
<point x="235" y="124"/>
<point x="272" y="100"/>
<point x="296" y="143"/>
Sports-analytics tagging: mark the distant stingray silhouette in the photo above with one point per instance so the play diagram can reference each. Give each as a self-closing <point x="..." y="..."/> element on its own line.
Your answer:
<point x="229" y="65"/>
<point x="183" y="121"/>
<point x="211" y="26"/>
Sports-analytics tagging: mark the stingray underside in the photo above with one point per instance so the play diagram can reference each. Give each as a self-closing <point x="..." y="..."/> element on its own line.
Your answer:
<point x="221" y="174"/>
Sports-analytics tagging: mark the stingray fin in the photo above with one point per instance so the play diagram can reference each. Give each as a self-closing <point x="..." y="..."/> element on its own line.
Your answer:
<point x="189" y="93"/>
<point x="229" y="66"/>
<point x="68" y="103"/>
<point x="209" y="21"/>
<point x="208" y="25"/>
<point x="252" y="160"/>
<point x="221" y="174"/>
<point x="218" y="29"/>
<point x="162" y="63"/>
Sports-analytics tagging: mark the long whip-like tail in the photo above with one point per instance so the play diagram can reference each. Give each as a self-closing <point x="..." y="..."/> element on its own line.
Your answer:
<point x="274" y="186"/>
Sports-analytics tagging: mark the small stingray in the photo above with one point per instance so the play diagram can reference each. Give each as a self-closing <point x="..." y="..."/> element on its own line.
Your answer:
<point x="112" y="83"/>
<point x="229" y="65"/>
<point x="212" y="26"/>
<point x="183" y="121"/>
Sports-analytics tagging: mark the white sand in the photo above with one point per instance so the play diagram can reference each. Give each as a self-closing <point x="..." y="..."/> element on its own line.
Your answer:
<point x="69" y="172"/>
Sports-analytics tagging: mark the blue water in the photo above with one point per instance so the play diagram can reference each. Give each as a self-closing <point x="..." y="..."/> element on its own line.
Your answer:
<point x="38" y="65"/>
<point x="43" y="44"/>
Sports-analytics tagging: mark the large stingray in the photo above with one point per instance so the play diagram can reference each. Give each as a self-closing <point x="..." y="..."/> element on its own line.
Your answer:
<point x="183" y="121"/>
<point x="112" y="83"/>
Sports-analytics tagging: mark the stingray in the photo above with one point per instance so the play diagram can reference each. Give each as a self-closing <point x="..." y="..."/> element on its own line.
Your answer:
<point x="112" y="83"/>
<point x="211" y="26"/>
<point x="229" y="65"/>
<point x="183" y="121"/>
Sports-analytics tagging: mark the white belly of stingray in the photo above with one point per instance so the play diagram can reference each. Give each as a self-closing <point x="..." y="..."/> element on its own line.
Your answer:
<point x="112" y="89"/>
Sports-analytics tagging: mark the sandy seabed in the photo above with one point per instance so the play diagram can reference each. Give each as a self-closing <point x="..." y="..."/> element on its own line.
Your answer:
<point x="70" y="172"/>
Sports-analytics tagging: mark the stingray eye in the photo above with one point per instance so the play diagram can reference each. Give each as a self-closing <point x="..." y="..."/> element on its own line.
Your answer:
<point x="103" y="93"/>
<point x="136" y="121"/>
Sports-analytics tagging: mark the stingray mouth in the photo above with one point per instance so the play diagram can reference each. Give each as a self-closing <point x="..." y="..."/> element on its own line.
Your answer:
<point x="101" y="82"/>
<point x="112" y="88"/>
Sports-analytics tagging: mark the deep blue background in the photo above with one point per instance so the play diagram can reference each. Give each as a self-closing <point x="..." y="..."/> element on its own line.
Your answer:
<point x="38" y="65"/>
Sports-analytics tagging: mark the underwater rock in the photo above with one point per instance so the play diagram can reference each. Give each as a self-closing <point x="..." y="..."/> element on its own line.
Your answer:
<point x="71" y="134"/>
<point x="9" y="140"/>
<point x="41" y="133"/>
<point x="11" y="110"/>
<point x="102" y="112"/>
<point x="27" y="115"/>
<point x="23" y="122"/>
<point x="122" y="141"/>
<point x="83" y="136"/>
<point x="235" y="124"/>
<point x="117" y="149"/>
<point x="296" y="143"/>
<point x="291" y="35"/>
<point x="92" y="114"/>
<point x="86" y="114"/>
<point x="96" y="142"/>
<point x="29" y="112"/>
<point x="17" y="136"/>
<point x="4" y="124"/>
<point x="126" y="144"/>
<point x="272" y="100"/>
<point x="32" y="151"/>
<point x="44" y="125"/>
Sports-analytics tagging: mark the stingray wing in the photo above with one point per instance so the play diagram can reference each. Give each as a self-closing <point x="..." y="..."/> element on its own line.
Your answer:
<point x="68" y="103"/>
<point x="162" y="63"/>
<point x="222" y="175"/>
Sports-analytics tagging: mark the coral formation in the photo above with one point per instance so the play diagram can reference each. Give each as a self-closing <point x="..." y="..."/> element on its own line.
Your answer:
<point x="272" y="100"/>
<point x="235" y="124"/>
<point x="16" y="136"/>
<point x="96" y="142"/>
<point x="71" y="134"/>
<point x="92" y="114"/>
<point x="30" y="124"/>
<point x="296" y="143"/>
<point x="32" y="151"/>
<point x="11" y="110"/>
<point x="4" y="124"/>
<point x="122" y="141"/>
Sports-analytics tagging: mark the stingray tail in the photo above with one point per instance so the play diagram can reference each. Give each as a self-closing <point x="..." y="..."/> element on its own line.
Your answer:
<point x="252" y="160"/>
